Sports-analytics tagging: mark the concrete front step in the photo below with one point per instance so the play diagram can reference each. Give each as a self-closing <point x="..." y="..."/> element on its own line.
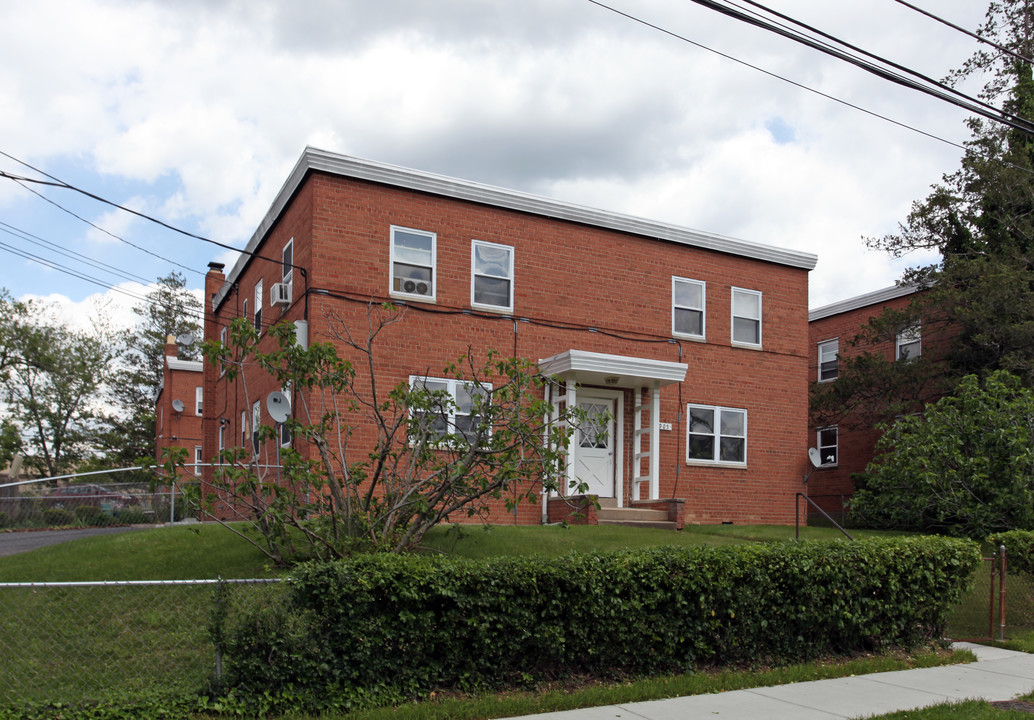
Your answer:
<point x="631" y="513"/>
<point x="661" y="524"/>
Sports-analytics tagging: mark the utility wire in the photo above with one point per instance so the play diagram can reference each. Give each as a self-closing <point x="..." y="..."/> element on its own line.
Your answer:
<point x="54" y="247"/>
<point x="22" y="180"/>
<point x="964" y="31"/>
<point x="940" y="86"/>
<point x="947" y="94"/>
<point x="771" y="74"/>
<point x="57" y="182"/>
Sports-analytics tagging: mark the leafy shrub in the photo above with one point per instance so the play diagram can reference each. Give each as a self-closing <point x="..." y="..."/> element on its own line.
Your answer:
<point x="133" y="516"/>
<point x="388" y="625"/>
<point x="58" y="516"/>
<point x="4" y="520"/>
<point x="1019" y="549"/>
<point x="91" y="516"/>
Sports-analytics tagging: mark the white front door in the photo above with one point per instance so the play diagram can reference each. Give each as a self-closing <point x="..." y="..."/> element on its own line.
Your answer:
<point x="595" y="441"/>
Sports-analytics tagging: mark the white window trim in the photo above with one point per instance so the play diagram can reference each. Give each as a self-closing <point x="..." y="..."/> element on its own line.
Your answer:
<point x="733" y="316"/>
<point x="199" y="394"/>
<point x="258" y="306"/>
<point x="819" y="446"/>
<point x="912" y="334"/>
<point x="283" y="432"/>
<point x="434" y="266"/>
<point x="836" y="354"/>
<point x="198" y="455"/>
<point x="702" y="309"/>
<point x="287" y="268"/>
<point x="718" y="410"/>
<point x="222" y="438"/>
<point x="452" y="384"/>
<point x="256" y="421"/>
<point x="223" y="334"/>
<point x="474" y="275"/>
<point x="244" y="429"/>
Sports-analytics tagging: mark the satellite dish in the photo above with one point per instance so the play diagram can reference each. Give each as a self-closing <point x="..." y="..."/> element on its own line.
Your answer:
<point x="186" y="338"/>
<point x="178" y="406"/>
<point x="815" y="456"/>
<point x="279" y="407"/>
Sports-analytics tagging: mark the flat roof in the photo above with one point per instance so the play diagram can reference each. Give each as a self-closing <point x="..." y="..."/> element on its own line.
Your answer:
<point x="315" y="160"/>
<point x="875" y="297"/>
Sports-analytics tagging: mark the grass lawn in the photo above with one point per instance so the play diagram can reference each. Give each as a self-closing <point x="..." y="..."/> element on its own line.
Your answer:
<point x="142" y="636"/>
<point x="968" y="710"/>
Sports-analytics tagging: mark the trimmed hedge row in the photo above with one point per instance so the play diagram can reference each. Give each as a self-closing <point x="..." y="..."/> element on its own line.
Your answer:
<point x="393" y="626"/>
<point x="1019" y="549"/>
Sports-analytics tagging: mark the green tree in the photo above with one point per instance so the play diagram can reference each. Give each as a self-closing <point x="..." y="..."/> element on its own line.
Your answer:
<point x="434" y="454"/>
<point x="169" y="309"/>
<point x="55" y="377"/>
<point x="977" y="309"/>
<point x="965" y="466"/>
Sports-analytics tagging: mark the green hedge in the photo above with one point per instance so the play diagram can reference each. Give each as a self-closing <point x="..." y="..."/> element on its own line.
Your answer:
<point x="389" y="626"/>
<point x="1019" y="550"/>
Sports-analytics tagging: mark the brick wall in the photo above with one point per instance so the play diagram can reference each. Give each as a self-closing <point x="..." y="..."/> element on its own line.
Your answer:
<point x="568" y="278"/>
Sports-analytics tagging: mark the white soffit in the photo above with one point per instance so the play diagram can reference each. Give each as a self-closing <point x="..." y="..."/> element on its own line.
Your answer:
<point x="177" y="364"/>
<point x="591" y="368"/>
<point x="313" y="159"/>
<point x="875" y="297"/>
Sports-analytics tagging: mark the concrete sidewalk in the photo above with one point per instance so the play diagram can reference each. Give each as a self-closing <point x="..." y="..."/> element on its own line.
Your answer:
<point x="997" y="675"/>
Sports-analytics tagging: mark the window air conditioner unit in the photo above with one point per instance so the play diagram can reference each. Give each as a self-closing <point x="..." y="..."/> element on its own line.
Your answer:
<point x="280" y="294"/>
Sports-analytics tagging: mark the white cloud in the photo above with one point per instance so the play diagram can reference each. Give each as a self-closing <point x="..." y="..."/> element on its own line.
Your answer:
<point x="198" y="110"/>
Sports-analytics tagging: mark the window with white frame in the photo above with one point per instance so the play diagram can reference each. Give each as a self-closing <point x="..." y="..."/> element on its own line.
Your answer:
<point x="258" y="306"/>
<point x="285" y="431"/>
<point x="413" y="263"/>
<point x="197" y="459"/>
<point x="910" y="343"/>
<point x="222" y="437"/>
<point x="199" y="393"/>
<point x="222" y="339"/>
<point x="256" y="421"/>
<point x="244" y="308"/>
<point x="716" y="435"/>
<point x="287" y="262"/>
<point x="746" y="317"/>
<point x="827" y="442"/>
<point x="688" y="298"/>
<point x="452" y="407"/>
<point x="829" y="363"/>
<point x="244" y="429"/>
<point x="491" y="270"/>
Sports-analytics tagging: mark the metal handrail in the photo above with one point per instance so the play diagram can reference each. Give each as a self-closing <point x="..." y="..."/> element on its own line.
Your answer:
<point x="797" y="516"/>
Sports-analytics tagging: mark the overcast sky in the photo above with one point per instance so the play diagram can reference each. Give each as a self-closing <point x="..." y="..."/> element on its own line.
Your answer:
<point x="194" y="111"/>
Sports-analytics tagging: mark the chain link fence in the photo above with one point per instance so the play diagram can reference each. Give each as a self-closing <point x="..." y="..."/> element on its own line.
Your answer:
<point x="998" y="606"/>
<point x="91" y="505"/>
<point x="72" y="642"/>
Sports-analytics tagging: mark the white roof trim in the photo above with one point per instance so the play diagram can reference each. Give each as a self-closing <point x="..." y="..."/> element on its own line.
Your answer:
<point x="335" y="164"/>
<point x="613" y="370"/>
<point x="177" y="364"/>
<point x="859" y="301"/>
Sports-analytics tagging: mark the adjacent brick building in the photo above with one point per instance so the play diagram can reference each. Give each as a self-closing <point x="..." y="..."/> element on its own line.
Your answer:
<point x="179" y="407"/>
<point x="847" y="447"/>
<point x="696" y="344"/>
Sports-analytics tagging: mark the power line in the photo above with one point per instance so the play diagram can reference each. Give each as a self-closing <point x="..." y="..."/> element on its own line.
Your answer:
<point x="22" y="180"/>
<point x="939" y="91"/>
<point x="54" y="247"/>
<point x="964" y="31"/>
<point x="771" y="74"/>
<point x="57" y="182"/>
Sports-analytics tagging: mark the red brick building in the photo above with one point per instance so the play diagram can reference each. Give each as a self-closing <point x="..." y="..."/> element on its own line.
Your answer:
<point x="847" y="447"/>
<point x="178" y="407"/>
<point x="694" y="343"/>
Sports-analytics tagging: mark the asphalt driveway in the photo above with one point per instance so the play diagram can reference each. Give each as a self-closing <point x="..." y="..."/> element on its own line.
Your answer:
<point x="12" y="543"/>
